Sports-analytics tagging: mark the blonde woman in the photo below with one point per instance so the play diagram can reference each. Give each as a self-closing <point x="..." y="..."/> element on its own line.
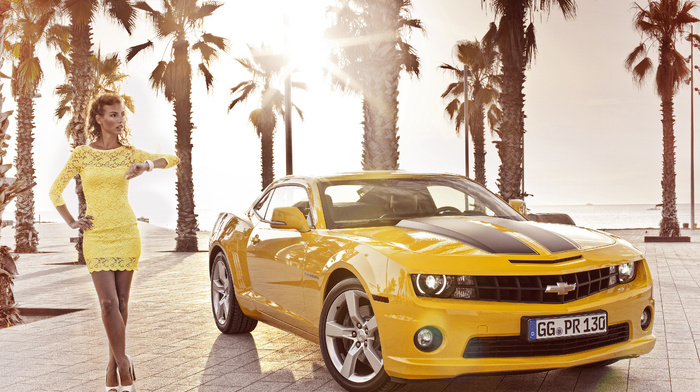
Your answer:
<point x="112" y="243"/>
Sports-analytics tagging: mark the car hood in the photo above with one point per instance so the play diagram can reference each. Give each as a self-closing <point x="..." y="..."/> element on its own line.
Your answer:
<point x="485" y="235"/>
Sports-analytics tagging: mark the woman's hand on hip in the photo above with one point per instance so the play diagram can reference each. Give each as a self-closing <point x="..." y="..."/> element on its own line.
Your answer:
<point x="84" y="223"/>
<point x="135" y="170"/>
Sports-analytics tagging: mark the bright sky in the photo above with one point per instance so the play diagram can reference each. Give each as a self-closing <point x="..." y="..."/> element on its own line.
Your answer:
<point x="592" y="136"/>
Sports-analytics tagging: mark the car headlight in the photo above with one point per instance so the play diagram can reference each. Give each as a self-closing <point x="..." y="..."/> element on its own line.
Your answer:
<point x="444" y="286"/>
<point x="623" y="273"/>
<point x="626" y="272"/>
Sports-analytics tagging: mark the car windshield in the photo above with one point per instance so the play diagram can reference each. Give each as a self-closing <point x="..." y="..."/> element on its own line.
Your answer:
<point x="384" y="202"/>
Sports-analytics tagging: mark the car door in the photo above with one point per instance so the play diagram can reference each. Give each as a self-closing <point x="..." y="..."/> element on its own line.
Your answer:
<point x="276" y="258"/>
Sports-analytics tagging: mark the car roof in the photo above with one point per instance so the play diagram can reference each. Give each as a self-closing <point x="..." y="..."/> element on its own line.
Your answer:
<point x="370" y="174"/>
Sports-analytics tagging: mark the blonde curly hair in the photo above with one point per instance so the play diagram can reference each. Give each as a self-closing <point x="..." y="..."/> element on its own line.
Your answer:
<point x="97" y="106"/>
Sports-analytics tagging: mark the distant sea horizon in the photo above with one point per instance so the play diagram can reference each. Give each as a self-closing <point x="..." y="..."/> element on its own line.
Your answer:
<point x="618" y="216"/>
<point x="594" y="216"/>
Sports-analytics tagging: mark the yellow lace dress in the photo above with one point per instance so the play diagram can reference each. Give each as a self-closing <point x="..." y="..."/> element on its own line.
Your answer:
<point x="114" y="242"/>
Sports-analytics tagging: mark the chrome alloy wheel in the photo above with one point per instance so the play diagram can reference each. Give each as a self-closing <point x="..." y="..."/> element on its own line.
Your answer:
<point x="352" y="337"/>
<point x="221" y="291"/>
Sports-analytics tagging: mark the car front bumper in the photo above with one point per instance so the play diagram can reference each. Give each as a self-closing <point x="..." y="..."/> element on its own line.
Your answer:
<point x="460" y="321"/>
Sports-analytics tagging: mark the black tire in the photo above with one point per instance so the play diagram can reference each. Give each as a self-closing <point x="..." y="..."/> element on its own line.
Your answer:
<point x="227" y="313"/>
<point x="350" y="343"/>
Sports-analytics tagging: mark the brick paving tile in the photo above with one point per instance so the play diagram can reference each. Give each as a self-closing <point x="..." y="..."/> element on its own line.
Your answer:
<point x="176" y="346"/>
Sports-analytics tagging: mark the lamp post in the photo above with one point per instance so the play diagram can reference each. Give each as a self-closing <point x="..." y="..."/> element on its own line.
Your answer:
<point x="693" y="90"/>
<point x="288" y="101"/>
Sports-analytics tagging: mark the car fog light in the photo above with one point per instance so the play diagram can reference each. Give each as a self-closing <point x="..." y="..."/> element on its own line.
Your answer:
<point x="428" y="339"/>
<point x="646" y="318"/>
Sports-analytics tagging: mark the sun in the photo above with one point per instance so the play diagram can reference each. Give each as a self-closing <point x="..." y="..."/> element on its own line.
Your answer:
<point x="303" y="31"/>
<point x="296" y="28"/>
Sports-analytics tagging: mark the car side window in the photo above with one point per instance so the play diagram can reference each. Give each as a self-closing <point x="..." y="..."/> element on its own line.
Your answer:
<point x="262" y="206"/>
<point x="290" y="196"/>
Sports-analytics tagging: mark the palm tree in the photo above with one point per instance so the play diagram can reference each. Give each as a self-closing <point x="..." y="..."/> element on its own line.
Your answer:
<point x="9" y="189"/>
<point x="516" y="42"/>
<point x="482" y="61"/>
<point x="179" y="24"/>
<point x="266" y="69"/>
<point x="32" y="23"/>
<point x="107" y="79"/>
<point x="82" y="14"/>
<point x="370" y="52"/>
<point x="661" y="24"/>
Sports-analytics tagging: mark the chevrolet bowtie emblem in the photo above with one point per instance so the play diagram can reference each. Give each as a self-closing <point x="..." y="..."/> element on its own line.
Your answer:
<point x="561" y="288"/>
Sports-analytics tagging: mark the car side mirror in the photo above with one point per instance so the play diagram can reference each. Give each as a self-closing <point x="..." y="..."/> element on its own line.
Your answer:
<point x="289" y="218"/>
<point x="519" y="205"/>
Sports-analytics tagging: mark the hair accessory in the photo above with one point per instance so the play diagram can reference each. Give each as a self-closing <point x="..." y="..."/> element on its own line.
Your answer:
<point x="150" y="164"/>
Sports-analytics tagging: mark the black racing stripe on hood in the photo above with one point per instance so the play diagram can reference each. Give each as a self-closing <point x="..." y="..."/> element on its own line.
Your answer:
<point x="472" y="233"/>
<point x="554" y="242"/>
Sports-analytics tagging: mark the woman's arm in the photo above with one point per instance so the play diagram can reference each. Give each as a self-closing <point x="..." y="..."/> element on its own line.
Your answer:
<point x="84" y="223"/>
<point x="136" y="169"/>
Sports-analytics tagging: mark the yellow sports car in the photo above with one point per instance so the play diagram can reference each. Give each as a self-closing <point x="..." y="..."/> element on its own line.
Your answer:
<point x="405" y="276"/>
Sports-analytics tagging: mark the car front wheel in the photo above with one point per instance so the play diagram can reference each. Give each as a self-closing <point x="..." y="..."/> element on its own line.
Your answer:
<point x="227" y="312"/>
<point x="349" y="339"/>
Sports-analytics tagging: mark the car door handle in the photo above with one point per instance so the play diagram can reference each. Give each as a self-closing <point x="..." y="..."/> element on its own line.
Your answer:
<point x="255" y="240"/>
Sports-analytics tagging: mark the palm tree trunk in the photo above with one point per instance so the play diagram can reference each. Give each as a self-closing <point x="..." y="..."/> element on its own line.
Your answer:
<point x="186" y="240"/>
<point x="81" y="79"/>
<point x="512" y="128"/>
<point x="669" y="216"/>
<point x="267" y="158"/>
<point x="380" y="148"/>
<point x="26" y="235"/>
<point x="478" y="138"/>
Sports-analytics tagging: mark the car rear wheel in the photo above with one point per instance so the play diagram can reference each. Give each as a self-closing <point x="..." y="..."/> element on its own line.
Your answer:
<point x="228" y="315"/>
<point x="349" y="339"/>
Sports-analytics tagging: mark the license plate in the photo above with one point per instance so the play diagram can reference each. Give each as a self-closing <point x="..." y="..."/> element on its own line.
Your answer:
<point x="553" y="327"/>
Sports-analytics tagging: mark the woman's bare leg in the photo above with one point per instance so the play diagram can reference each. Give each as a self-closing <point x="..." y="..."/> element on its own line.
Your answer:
<point x="113" y="292"/>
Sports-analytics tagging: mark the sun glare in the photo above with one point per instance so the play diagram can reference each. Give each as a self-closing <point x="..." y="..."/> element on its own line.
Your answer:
<point x="303" y="28"/>
<point x="296" y="28"/>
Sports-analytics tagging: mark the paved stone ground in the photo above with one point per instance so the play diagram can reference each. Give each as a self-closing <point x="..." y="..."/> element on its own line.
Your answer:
<point x="177" y="347"/>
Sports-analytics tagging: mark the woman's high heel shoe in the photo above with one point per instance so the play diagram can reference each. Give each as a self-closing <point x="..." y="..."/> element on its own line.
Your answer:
<point x="118" y="388"/>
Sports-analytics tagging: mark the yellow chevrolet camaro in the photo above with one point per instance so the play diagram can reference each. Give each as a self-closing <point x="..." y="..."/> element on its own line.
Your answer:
<point x="403" y="277"/>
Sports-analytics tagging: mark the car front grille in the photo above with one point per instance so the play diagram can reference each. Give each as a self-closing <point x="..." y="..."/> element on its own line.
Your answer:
<point x="516" y="346"/>
<point x="531" y="289"/>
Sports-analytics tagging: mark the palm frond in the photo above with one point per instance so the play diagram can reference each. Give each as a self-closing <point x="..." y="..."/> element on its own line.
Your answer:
<point x="134" y="50"/>
<point x="58" y="37"/>
<point x="246" y="88"/>
<point x="410" y="61"/>
<point x="142" y="5"/>
<point x="530" y="44"/>
<point x="642" y="70"/>
<point x="206" y="9"/>
<point x="219" y="42"/>
<point x="208" y="77"/>
<point x="207" y="52"/>
<point x="123" y="12"/>
<point x="300" y="85"/>
<point x="634" y="55"/>
<point x="64" y="62"/>
<point x="129" y="103"/>
<point x="157" y="77"/>
<point x="81" y="11"/>
<point x="299" y="112"/>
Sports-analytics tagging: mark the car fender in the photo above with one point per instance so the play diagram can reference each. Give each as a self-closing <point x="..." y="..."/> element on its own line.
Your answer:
<point x="365" y="263"/>
<point x="230" y="235"/>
